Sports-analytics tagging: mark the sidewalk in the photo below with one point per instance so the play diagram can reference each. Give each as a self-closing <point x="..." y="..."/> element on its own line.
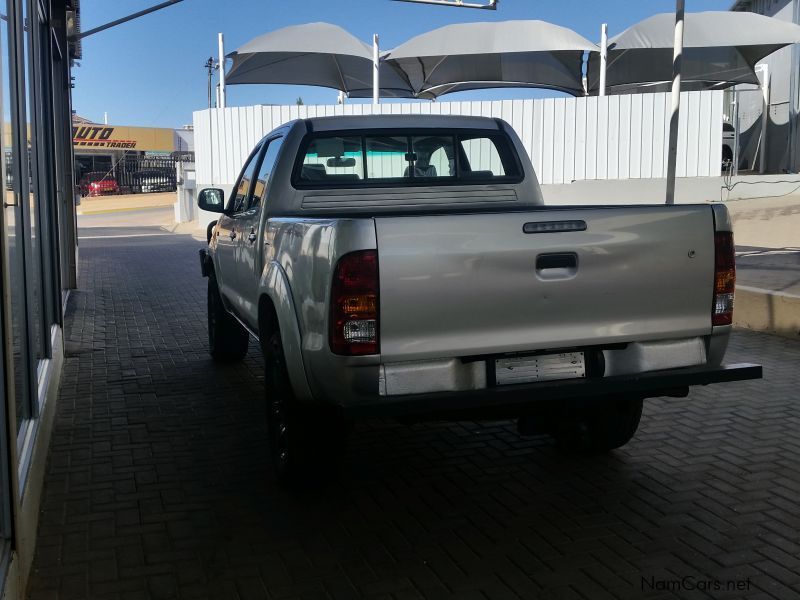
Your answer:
<point x="107" y="204"/>
<point x="767" y="232"/>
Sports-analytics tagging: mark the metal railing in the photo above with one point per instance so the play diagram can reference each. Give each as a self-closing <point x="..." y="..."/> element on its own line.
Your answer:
<point x="137" y="174"/>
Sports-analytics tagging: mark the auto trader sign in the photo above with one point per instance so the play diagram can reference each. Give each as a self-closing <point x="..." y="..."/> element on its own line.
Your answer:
<point x="99" y="137"/>
<point x="109" y="137"/>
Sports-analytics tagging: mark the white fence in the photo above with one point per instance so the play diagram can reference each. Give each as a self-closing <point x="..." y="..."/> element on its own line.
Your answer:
<point x="568" y="139"/>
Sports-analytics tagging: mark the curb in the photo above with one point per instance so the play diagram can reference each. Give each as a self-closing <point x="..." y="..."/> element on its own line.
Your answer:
<point x="125" y="209"/>
<point x="767" y="311"/>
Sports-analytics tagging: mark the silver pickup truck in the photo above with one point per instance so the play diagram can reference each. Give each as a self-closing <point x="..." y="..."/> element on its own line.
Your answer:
<point x="406" y="266"/>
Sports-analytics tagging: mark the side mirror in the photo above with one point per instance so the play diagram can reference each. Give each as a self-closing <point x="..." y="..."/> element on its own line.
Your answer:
<point x="211" y="199"/>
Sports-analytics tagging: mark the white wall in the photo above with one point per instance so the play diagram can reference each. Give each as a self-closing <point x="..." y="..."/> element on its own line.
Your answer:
<point x="568" y="139"/>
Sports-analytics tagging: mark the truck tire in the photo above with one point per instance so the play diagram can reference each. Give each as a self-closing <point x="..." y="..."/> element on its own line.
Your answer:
<point x="304" y="441"/>
<point x="227" y="339"/>
<point x="599" y="429"/>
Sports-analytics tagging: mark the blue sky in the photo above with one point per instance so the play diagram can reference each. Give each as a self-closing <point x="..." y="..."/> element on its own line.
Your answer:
<point x="149" y="72"/>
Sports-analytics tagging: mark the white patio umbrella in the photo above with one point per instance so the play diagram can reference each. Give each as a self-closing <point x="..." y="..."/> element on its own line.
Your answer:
<point x="472" y="56"/>
<point x="317" y="54"/>
<point x="720" y="48"/>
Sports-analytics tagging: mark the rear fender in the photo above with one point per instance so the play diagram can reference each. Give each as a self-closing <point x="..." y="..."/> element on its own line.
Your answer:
<point x="275" y="285"/>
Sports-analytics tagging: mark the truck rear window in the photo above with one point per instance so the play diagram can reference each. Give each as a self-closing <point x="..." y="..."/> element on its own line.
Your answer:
<point x="423" y="158"/>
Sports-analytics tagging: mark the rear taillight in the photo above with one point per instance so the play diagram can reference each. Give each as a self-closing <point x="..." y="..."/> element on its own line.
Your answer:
<point x="354" y="304"/>
<point x="724" y="278"/>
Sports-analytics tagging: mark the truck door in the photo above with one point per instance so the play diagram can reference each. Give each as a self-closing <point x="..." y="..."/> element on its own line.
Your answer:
<point x="229" y="230"/>
<point x="253" y="245"/>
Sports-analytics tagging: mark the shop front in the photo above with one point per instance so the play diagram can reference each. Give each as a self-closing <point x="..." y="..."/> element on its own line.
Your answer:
<point x="39" y="247"/>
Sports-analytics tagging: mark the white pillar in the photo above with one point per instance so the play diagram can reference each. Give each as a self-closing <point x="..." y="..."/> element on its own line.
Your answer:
<point x="221" y="103"/>
<point x="762" y="158"/>
<point x="672" y="152"/>
<point x="376" y="70"/>
<point x="603" y="58"/>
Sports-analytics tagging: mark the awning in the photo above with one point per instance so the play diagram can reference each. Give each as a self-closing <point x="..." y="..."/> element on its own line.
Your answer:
<point x="720" y="49"/>
<point x="317" y="54"/>
<point x="472" y="56"/>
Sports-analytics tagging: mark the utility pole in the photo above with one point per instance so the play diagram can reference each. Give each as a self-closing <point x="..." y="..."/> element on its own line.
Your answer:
<point x="210" y="66"/>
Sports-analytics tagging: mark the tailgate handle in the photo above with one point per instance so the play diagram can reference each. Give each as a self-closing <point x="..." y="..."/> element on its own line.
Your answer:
<point x="567" y="260"/>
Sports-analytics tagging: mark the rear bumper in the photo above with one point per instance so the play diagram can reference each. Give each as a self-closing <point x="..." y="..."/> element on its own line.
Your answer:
<point x="522" y="398"/>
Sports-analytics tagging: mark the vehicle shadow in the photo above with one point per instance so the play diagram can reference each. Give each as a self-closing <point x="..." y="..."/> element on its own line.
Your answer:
<point x="457" y="503"/>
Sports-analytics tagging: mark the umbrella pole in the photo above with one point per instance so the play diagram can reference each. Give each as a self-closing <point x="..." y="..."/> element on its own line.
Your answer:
<point x="603" y="58"/>
<point x="672" y="152"/>
<point x="762" y="155"/>
<point x="376" y="70"/>
<point x="221" y="42"/>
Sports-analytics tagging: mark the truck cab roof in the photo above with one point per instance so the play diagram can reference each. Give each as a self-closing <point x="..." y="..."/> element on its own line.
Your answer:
<point x="360" y="122"/>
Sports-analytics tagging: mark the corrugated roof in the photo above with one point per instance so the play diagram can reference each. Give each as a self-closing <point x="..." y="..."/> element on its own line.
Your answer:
<point x="75" y="44"/>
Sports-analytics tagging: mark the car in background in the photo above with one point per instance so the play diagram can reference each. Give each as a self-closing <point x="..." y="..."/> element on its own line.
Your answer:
<point x="154" y="180"/>
<point x="98" y="183"/>
<point x="728" y="141"/>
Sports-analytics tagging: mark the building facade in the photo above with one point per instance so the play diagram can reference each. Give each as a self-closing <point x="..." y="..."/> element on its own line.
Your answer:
<point x="130" y="156"/>
<point x="782" y="147"/>
<point x="38" y="262"/>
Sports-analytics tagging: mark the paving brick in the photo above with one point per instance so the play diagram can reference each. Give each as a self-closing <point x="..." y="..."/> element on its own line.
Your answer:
<point x="158" y="484"/>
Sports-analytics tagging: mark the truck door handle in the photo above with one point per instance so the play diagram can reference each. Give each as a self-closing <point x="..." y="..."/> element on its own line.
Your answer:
<point x="233" y="235"/>
<point x="252" y="236"/>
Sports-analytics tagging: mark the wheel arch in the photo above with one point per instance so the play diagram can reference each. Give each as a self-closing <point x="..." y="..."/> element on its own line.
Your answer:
<point x="276" y="309"/>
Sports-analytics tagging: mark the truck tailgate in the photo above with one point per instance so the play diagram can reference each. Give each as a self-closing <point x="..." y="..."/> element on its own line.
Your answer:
<point x="478" y="284"/>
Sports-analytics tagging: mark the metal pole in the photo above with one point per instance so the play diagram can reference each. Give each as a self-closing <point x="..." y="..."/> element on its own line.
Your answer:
<point x="672" y="153"/>
<point x="111" y="24"/>
<point x="794" y="95"/>
<point x="762" y="158"/>
<point x="222" y="98"/>
<point x="457" y="3"/>
<point x="735" y="165"/>
<point x="603" y="58"/>
<point x="376" y="70"/>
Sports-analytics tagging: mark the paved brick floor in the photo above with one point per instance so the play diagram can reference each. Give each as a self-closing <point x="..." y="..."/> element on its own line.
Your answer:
<point x="158" y="486"/>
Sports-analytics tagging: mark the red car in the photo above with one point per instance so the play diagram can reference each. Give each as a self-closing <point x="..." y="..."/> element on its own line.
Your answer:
<point x="98" y="183"/>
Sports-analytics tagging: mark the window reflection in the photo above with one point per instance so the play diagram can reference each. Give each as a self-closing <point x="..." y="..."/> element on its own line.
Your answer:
<point x="15" y="240"/>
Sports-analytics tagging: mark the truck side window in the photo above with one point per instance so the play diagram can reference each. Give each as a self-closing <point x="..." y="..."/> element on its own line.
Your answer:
<point x="239" y="200"/>
<point x="482" y="157"/>
<point x="259" y="192"/>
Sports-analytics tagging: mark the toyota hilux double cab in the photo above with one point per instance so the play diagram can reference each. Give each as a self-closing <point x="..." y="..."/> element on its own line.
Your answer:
<point x="406" y="266"/>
